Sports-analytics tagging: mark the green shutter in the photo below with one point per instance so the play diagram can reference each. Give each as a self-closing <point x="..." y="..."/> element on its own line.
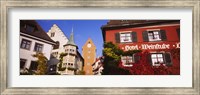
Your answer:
<point x="163" y="35"/>
<point x="178" y="32"/>
<point x="117" y="37"/>
<point x="134" y="37"/>
<point x="149" y="59"/>
<point x="145" y="36"/>
<point x="133" y="58"/>
<point x="168" y="60"/>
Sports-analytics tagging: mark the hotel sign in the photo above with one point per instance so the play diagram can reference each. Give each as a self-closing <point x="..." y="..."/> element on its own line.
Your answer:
<point x="150" y="46"/>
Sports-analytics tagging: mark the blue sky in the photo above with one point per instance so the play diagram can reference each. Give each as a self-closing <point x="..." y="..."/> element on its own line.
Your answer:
<point x="83" y="29"/>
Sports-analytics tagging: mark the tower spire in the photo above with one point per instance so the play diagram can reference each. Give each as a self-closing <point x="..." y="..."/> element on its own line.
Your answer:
<point x="71" y="39"/>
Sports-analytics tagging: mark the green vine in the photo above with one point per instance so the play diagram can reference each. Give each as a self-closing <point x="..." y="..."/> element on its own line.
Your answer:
<point x="60" y="68"/>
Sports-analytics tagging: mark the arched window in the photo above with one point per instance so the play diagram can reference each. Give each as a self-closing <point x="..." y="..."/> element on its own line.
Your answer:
<point x="57" y="45"/>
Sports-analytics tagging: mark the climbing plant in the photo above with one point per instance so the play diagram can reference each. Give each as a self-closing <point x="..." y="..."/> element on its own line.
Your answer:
<point x="60" y="68"/>
<point x="42" y="63"/>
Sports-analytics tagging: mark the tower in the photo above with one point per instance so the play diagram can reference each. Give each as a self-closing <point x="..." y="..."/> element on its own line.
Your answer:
<point x="72" y="59"/>
<point x="89" y="55"/>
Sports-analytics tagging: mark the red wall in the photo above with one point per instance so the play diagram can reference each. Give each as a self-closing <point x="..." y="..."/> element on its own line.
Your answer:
<point x="172" y="36"/>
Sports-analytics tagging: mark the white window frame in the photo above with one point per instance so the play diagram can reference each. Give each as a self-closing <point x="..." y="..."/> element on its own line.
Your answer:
<point x="126" y="60"/>
<point x="157" y="57"/>
<point x="127" y="37"/>
<point x="36" y="49"/>
<point x="154" y="35"/>
<point x="26" y="43"/>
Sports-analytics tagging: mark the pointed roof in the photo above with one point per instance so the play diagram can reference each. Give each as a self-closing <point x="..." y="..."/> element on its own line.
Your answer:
<point x="89" y="40"/>
<point x="71" y="39"/>
<point x="38" y="32"/>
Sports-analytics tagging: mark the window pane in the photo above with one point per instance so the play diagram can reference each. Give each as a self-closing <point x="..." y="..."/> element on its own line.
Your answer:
<point x="159" y="55"/>
<point x="125" y="37"/>
<point x="154" y="36"/>
<point x="38" y="47"/>
<point x="157" y="59"/>
<point x="22" y="63"/>
<point x="34" y="65"/>
<point x="25" y="44"/>
<point x="155" y="32"/>
<point x="29" y="28"/>
<point x="153" y="56"/>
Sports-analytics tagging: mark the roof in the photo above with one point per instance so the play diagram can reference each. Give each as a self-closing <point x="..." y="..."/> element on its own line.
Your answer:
<point x="121" y="24"/>
<point x="97" y="59"/>
<point x="89" y="40"/>
<point x="37" y="32"/>
<point x="71" y="39"/>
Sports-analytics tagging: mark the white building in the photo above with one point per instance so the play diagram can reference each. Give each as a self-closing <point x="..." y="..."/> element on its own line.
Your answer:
<point x="97" y="66"/>
<point x="33" y="39"/>
<point x="73" y="60"/>
<point x="56" y="34"/>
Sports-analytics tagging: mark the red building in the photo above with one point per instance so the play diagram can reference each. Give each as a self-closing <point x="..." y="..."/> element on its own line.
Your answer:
<point x="158" y="37"/>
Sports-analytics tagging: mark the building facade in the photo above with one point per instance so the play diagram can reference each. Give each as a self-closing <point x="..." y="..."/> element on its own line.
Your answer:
<point x="158" y="37"/>
<point x="33" y="39"/>
<point x="97" y="66"/>
<point x="89" y="55"/>
<point x="57" y="35"/>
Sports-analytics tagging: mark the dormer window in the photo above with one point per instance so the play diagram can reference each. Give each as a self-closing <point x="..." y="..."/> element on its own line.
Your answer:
<point x="29" y="28"/>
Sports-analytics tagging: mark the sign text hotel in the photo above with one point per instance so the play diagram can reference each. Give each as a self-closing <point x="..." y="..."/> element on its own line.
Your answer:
<point x="150" y="46"/>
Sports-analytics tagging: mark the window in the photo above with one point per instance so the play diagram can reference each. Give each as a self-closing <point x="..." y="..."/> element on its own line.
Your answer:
<point x="70" y="64"/>
<point x="22" y="63"/>
<point x="125" y="37"/>
<point x="66" y="50"/>
<point x="127" y="61"/>
<point x="34" y="65"/>
<point x="154" y="36"/>
<point x="25" y="44"/>
<point x="53" y="34"/>
<point x="38" y="47"/>
<point x="157" y="59"/>
<point x="55" y="54"/>
<point x="29" y="28"/>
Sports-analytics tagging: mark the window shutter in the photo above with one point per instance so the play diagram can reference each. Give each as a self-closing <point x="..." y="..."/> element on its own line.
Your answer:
<point x="178" y="32"/>
<point x="163" y="35"/>
<point x="133" y="58"/>
<point x="134" y="37"/>
<point x="149" y="59"/>
<point x="145" y="36"/>
<point x="168" y="59"/>
<point x="117" y="37"/>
